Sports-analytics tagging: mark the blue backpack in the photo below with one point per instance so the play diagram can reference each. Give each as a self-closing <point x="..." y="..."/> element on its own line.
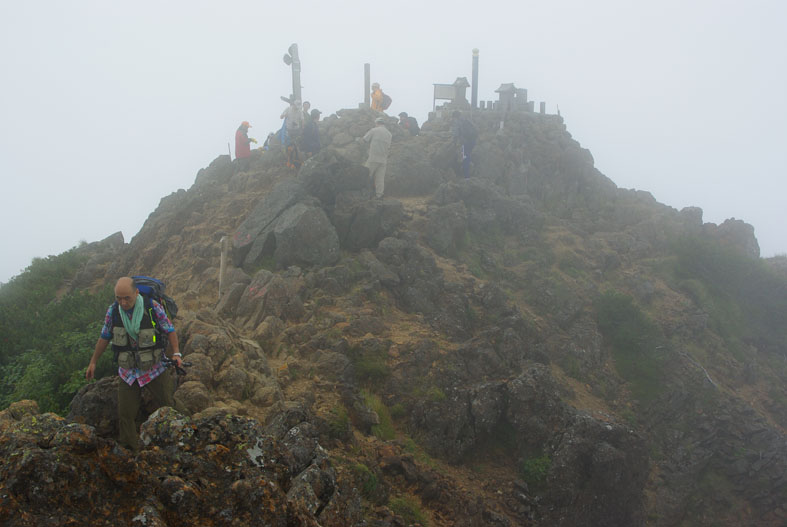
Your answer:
<point x="153" y="289"/>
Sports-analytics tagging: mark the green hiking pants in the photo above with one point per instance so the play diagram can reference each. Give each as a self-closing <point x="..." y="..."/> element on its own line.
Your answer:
<point x="129" y="399"/>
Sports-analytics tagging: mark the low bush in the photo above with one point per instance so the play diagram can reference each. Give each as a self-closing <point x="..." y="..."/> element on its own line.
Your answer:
<point x="409" y="509"/>
<point x="634" y="339"/>
<point x="385" y="430"/>
<point x="534" y="471"/>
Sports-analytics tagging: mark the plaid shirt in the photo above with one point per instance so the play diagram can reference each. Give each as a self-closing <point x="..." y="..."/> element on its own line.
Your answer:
<point x="134" y="374"/>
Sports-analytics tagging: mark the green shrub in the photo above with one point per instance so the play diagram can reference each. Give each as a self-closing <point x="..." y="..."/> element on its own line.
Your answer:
<point x="398" y="411"/>
<point x="368" y="480"/>
<point x="634" y="340"/>
<point x="435" y="394"/>
<point x="53" y="377"/>
<point x="420" y="455"/>
<point x="370" y="365"/>
<point x="534" y="471"/>
<point x="743" y="295"/>
<point x="47" y="336"/>
<point x="409" y="509"/>
<point x="339" y="422"/>
<point x="385" y="430"/>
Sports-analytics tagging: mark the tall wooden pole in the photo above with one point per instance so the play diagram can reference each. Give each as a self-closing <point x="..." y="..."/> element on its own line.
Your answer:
<point x="296" y="72"/>
<point x="225" y="247"/>
<point x="474" y="96"/>
<point x="367" y="79"/>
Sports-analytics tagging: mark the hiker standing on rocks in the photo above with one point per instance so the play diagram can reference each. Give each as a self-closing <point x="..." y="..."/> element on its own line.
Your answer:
<point x="130" y="325"/>
<point x="379" y="139"/>
<point x="243" y="145"/>
<point x="465" y="134"/>
<point x="292" y="129"/>
<point x="409" y="123"/>
<point x="377" y="97"/>
<point x="311" y="135"/>
<point x="306" y="113"/>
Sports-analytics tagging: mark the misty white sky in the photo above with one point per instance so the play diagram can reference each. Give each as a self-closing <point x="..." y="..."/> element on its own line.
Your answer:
<point x="106" y="107"/>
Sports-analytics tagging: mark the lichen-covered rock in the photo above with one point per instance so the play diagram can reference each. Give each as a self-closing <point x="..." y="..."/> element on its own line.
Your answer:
<point x="220" y="470"/>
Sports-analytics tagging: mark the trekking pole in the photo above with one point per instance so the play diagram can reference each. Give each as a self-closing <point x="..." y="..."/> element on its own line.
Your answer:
<point x="228" y="150"/>
<point x="167" y="362"/>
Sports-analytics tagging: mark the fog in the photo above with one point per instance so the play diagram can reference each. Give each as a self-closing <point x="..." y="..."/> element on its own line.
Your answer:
<point x="108" y="107"/>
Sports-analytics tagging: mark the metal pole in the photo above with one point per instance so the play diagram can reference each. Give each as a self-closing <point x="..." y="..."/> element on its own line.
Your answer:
<point x="228" y="150"/>
<point x="225" y="246"/>
<point x="474" y="96"/>
<point x="296" y="72"/>
<point x="367" y="79"/>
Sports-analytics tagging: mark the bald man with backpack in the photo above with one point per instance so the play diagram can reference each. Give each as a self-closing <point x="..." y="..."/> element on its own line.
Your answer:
<point x="142" y="337"/>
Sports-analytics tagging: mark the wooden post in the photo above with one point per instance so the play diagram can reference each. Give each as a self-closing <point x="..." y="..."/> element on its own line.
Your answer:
<point x="296" y="71"/>
<point x="474" y="89"/>
<point x="367" y="87"/>
<point x="223" y="265"/>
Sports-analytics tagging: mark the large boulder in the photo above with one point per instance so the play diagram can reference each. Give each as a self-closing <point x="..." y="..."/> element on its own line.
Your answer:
<point x="597" y="475"/>
<point x="304" y="236"/>
<point x="193" y="397"/>
<point x="737" y="234"/>
<point x="218" y="172"/>
<point x="446" y="229"/>
<point x="251" y="238"/>
<point x="410" y="171"/>
<point x="300" y="235"/>
<point x="270" y="295"/>
<point x="488" y="209"/>
<point x="362" y="223"/>
<point x="96" y="405"/>
<point x="329" y="174"/>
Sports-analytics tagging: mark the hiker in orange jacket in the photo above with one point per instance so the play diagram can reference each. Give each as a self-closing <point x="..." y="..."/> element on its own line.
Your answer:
<point x="377" y="97"/>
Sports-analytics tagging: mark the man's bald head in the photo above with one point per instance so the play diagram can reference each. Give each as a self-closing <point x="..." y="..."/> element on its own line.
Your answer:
<point x="126" y="292"/>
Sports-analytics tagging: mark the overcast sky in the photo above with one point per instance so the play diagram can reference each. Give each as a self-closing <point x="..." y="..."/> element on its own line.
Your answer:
<point x="106" y="107"/>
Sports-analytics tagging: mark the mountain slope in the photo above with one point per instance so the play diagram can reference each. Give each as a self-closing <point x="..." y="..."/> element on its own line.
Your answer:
<point x="532" y="346"/>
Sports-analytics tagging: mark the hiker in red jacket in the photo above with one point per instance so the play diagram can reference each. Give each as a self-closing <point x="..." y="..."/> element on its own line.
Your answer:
<point x="242" y="148"/>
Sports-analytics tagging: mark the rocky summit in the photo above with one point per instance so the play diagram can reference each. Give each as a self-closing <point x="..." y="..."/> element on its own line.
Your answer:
<point x="529" y="346"/>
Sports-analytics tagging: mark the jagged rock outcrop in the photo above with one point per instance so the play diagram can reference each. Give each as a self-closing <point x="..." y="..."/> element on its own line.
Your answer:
<point x="291" y="227"/>
<point x="737" y="234"/>
<point x="102" y="254"/>
<point x="488" y="210"/>
<point x="220" y="470"/>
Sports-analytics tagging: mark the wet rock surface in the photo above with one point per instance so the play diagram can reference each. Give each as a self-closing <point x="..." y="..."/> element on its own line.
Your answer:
<point x="222" y="470"/>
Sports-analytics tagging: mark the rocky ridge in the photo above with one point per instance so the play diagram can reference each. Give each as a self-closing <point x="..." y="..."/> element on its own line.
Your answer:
<point x="458" y="312"/>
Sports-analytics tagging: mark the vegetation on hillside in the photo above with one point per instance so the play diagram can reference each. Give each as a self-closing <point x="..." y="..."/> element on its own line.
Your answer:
<point x="48" y="336"/>
<point x="746" y="299"/>
<point x="635" y="341"/>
